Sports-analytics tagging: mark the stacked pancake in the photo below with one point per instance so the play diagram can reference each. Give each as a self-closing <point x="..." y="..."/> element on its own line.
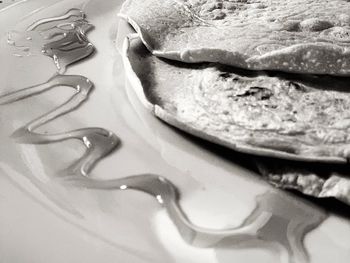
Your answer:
<point x="268" y="78"/>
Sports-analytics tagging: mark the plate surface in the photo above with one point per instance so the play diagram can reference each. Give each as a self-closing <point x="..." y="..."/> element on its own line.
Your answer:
<point x="45" y="220"/>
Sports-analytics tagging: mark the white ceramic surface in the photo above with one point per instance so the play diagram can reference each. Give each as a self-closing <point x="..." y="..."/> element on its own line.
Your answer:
<point x="44" y="220"/>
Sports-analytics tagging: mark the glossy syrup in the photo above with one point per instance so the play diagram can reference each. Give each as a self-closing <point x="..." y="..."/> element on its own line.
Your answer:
<point x="98" y="142"/>
<point x="279" y="222"/>
<point x="62" y="38"/>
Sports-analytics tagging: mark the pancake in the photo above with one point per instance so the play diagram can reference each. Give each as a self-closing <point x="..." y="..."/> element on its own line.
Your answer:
<point x="297" y="36"/>
<point x="297" y="117"/>
<point x="317" y="180"/>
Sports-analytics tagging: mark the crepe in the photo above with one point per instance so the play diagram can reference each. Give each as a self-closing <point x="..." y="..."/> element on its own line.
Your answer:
<point x="317" y="180"/>
<point x="272" y="114"/>
<point x="293" y="36"/>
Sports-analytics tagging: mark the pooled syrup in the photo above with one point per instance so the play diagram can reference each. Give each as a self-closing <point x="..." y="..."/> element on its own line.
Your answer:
<point x="279" y="222"/>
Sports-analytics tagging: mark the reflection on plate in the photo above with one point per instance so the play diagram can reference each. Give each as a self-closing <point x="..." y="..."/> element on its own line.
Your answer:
<point x="209" y="208"/>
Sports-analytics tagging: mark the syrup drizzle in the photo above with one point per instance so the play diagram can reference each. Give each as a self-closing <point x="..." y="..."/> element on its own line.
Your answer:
<point x="62" y="38"/>
<point x="98" y="142"/>
<point x="278" y="220"/>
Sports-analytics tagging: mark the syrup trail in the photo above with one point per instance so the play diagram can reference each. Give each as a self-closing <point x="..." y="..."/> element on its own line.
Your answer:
<point x="62" y="38"/>
<point x="99" y="142"/>
<point x="279" y="221"/>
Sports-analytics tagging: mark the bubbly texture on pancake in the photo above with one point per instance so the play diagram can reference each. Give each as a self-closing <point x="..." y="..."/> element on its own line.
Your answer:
<point x="303" y="36"/>
<point x="290" y="116"/>
<point x="272" y="104"/>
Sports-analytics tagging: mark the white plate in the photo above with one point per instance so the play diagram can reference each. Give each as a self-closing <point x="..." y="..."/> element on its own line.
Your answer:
<point x="43" y="220"/>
